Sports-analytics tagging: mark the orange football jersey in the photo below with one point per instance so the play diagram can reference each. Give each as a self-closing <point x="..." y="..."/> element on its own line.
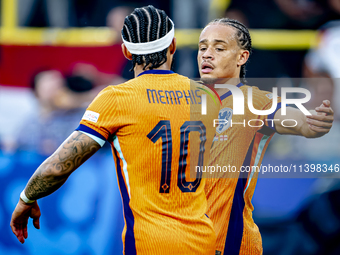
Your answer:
<point x="237" y="145"/>
<point x="150" y="122"/>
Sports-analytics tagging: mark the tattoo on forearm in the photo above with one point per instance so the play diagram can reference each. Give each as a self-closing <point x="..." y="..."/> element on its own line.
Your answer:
<point x="55" y="170"/>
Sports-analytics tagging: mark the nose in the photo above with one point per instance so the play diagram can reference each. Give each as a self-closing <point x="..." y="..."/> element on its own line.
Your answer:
<point x="208" y="54"/>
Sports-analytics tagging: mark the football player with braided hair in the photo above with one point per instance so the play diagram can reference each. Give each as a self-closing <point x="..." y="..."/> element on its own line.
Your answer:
<point x="224" y="48"/>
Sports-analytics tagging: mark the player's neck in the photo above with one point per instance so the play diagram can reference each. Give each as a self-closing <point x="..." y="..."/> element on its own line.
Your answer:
<point x="139" y="68"/>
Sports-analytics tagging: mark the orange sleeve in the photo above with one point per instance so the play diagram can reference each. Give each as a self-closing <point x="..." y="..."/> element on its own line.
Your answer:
<point x="100" y="118"/>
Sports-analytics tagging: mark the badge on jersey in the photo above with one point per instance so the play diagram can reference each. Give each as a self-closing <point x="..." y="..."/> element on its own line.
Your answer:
<point x="270" y="95"/>
<point x="91" y="116"/>
<point x="224" y="114"/>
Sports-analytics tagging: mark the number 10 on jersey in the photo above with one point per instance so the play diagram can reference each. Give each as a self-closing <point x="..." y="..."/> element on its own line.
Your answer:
<point x="163" y="131"/>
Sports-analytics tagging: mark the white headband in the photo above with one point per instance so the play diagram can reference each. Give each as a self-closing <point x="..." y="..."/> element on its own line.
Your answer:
<point x="151" y="47"/>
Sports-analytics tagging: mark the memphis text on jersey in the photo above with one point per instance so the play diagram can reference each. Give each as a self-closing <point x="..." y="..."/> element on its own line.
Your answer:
<point x="160" y="96"/>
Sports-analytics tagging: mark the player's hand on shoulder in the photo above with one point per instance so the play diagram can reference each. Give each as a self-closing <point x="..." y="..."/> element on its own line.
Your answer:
<point x="20" y="216"/>
<point x="321" y="120"/>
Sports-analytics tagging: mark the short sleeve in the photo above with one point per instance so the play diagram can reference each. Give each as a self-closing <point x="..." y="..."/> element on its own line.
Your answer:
<point x="100" y="118"/>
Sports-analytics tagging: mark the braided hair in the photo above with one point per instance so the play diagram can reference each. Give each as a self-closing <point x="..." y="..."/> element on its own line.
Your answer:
<point x="147" y="24"/>
<point x="242" y="37"/>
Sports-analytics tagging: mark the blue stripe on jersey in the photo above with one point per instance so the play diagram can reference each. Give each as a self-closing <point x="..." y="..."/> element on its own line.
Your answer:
<point x="229" y="92"/>
<point x="271" y="116"/>
<point x="156" y="72"/>
<point x="86" y="129"/>
<point x="235" y="228"/>
<point x="130" y="243"/>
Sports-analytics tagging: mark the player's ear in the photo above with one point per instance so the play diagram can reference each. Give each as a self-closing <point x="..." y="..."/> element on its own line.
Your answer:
<point x="243" y="57"/>
<point x="126" y="52"/>
<point x="172" y="46"/>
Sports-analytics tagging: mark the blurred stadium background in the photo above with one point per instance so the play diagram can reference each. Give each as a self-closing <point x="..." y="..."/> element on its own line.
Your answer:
<point x="55" y="55"/>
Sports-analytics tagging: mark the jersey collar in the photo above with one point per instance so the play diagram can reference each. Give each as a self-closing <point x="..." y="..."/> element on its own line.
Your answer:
<point x="156" y="72"/>
<point x="229" y="92"/>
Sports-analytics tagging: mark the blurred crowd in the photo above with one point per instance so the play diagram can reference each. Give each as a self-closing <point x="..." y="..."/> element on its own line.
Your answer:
<point x="61" y="101"/>
<point x="58" y="99"/>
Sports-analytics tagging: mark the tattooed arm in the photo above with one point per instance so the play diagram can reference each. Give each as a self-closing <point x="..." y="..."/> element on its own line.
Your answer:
<point x="50" y="176"/>
<point x="55" y="170"/>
